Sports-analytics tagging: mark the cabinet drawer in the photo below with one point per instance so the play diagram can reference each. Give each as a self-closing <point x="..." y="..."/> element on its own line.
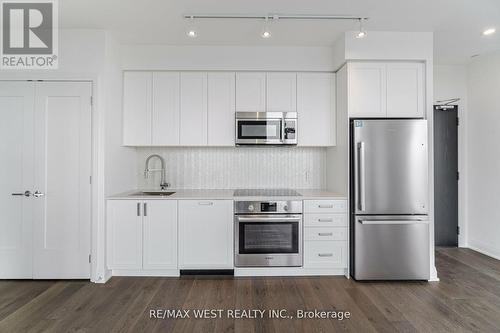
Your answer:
<point x="325" y="254"/>
<point x="325" y="234"/>
<point x="325" y="206"/>
<point x="325" y="220"/>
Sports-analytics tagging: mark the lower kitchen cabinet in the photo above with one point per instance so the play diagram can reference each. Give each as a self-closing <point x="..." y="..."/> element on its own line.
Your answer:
<point x="142" y="235"/>
<point x="325" y="234"/>
<point x="206" y="234"/>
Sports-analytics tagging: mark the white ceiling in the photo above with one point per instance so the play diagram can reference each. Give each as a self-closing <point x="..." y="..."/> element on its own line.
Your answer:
<point x="457" y="24"/>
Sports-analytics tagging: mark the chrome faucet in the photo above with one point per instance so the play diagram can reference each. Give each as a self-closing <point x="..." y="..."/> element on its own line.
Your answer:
<point x="147" y="170"/>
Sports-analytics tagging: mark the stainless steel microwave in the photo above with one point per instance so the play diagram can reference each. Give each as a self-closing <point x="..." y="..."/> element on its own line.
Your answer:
<point x="266" y="128"/>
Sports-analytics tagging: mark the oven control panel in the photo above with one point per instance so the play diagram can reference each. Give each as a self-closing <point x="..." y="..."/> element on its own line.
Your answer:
<point x="268" y="207"/>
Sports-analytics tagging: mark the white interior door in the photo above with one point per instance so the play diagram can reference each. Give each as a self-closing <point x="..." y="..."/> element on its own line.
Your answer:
<point x="16" y="177"/>
<point x="62" y="212"/>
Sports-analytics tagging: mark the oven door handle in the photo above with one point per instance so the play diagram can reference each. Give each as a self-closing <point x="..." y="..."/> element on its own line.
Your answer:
<point x="269" y="219"/>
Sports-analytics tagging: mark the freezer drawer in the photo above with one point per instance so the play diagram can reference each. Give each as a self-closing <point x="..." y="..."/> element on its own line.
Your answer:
<point x="390" y="167"/>
<point x="391" y="248"/>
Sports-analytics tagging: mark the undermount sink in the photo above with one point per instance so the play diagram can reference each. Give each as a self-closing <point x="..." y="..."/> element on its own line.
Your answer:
<point x="152" y="193"/>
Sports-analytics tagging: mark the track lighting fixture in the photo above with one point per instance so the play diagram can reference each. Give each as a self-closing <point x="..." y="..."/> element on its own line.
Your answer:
<point x="362" y="32"/>
<point x="191" y="31"/>
<point x="266" y="32"/>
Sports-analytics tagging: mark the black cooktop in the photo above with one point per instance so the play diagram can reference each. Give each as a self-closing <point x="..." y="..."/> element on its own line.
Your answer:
<point x="266" y="192"/>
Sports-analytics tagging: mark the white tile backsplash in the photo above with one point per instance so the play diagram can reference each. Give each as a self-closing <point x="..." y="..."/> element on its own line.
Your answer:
<point x="236" y="167"/>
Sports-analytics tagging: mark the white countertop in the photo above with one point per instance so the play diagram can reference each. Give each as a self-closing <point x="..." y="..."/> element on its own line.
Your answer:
<point x="207" y="194"/>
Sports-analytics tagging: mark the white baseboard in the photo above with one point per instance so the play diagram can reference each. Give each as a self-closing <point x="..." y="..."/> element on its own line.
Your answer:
<point x="152" y="272"/>
<point x="284" y="272"/>
<point x="483" y="248"/>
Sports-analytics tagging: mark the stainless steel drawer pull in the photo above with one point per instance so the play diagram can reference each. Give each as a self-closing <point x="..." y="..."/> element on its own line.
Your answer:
<point x="325" y="233"/>
<point x="325" y="220"/>
<point x="205" y="203"/>
<point x="325" y="206"/>
<point x="325" y="254"/>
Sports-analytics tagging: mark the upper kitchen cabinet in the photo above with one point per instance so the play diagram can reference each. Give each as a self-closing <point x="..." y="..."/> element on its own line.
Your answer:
<point x="316" y="109"/>
<point x="251" y="91"/>
<point x="367" y="89"/>
<point x="386" y="89"/>
<point x="405" y="90"/>
<point x="137" y="108"/>
<point x="281" y="92"/>
<point x="193" y="110"/>
<point x="165" y="115"/>
<point x="221" y="107"/>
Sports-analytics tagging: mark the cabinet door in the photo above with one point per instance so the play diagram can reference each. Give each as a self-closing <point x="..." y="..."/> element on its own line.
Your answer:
<point x="281" y="91"/>
<point x="124" y="234"/>
<point x="367" y="90"/>
<point x="160" y="234"/>
<point x="165" y="124"/>
<point x="405" y="90"/>
<point x="137" y="90"/>
<point x="221" y="108"/>
<point x="206" y="234"/>
<point x="193" y="114"/>
<point x="251" y="92"/>
<point x="316" y="109"/>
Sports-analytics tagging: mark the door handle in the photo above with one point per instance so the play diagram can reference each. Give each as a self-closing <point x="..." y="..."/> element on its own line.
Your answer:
<point x="25" y="193"/>
<point x="145" y="209"/>
<point x="138" y="209"/>
<point x="38" y="194"/>
<point x="394" y="222"/>
<point x="361" y="176"/>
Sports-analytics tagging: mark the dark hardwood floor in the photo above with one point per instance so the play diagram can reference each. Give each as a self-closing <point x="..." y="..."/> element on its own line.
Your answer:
<point x="466" y="299"/>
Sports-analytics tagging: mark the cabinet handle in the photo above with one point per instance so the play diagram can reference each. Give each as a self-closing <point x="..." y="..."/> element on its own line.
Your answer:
<point x="145" y="209"/>
<point x="325" y="206"/>
<point x="205" y="203"/>
<point x="325" y="220"/>
<point x="325" y="254"/>
<point x="325" y="233"/>
<point x="138" y="209"/>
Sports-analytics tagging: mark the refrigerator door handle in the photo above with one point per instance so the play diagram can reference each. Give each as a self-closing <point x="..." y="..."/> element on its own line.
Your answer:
<point x="401" y="222"/>
<point x="361" y="176"/>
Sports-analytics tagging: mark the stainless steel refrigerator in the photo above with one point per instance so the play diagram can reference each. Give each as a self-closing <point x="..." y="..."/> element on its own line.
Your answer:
<point x="389" y="199"/>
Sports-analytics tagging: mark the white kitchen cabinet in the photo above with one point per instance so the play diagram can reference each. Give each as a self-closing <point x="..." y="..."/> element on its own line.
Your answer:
<point x="124" y="234"/>
<point x="405" y="90"/>
<point x="316" y="109"/>
<point x="160" y="234"/>
<point x="137" y="108"/>
<point x="367" y="89"/>
<point x="206" y="234"/>
<point x="251" y="91"/>
<point x="281" y="92"/>
<point x="386" y="89"/>
<point x="221" y="109"/>
<point x="193" y="110"/>
<point x="165" y="109"/>
<point x="142" y="235"/>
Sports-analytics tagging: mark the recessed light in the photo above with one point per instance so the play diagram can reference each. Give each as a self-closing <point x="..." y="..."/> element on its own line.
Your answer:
<point x="489" y="31"/>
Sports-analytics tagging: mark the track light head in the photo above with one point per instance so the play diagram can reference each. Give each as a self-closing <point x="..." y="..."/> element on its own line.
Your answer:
<point x="266" y="32"/>
<point x="362" y="32"/>
<point x="191" y="31"/>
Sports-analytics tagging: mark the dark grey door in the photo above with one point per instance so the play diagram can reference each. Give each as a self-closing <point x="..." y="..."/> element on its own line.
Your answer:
<point x="446" y="175"/>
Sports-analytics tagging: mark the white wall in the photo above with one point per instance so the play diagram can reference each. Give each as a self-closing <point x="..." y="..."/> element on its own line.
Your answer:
<point x="451" y="82"/>
<point x="483" y="154"/>
<point x="266" y="58"/>
<point x="237" y="167"/>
